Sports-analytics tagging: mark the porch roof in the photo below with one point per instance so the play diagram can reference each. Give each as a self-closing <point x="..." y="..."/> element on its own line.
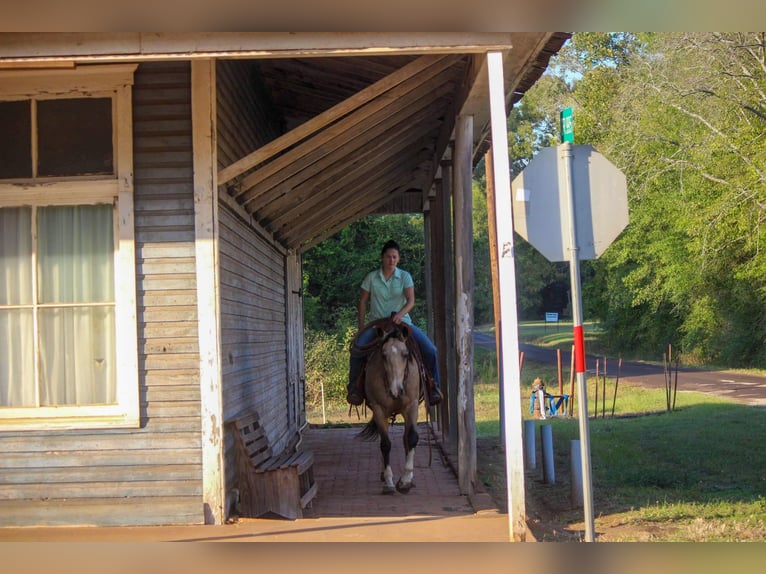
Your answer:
<point x="369" y="116"/>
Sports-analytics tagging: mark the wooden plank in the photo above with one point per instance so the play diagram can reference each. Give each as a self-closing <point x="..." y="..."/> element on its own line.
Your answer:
<point x="439" y="204"/>
<point x="492" y="232"/>
<point x="96" y="473"/>
<point x="116" y="511"/>
<point x="171" y="377"/>
<point x="133" y="46"/>
<point x="31" y="443"/>
<point x="168" y="283"/>
<point x="172" y="361"/>
<point x="103" y="490"/>
<point x="87" y="191"/>
<point x="449" y="293"/>
<point x="462" y="207"/>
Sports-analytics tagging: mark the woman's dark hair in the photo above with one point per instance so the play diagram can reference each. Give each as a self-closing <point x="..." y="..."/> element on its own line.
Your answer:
<point x="390" y="244"/>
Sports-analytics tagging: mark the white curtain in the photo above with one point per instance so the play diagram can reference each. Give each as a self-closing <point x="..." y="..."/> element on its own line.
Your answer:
<point x="17" y="376"/>
<point x="75" y="290"/>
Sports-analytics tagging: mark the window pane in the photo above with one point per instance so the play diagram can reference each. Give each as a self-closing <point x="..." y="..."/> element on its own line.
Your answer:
<point x="17" y="373"/>
<point x="16" y="140"/>
<point x="15" y="256"/>
<point x="75" y="254"/>
<point x="74" y="136"/>
<point x="77" y="356"/>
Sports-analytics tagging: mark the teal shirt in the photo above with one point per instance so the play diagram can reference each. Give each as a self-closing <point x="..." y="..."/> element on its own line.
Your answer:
<point x="387" y="297"/>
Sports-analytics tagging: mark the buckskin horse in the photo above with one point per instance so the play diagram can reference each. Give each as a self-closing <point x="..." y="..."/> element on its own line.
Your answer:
<point x="392" y="386"/>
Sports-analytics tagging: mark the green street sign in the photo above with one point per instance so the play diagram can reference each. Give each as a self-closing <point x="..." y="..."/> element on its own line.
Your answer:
<point x="567" y="126"/>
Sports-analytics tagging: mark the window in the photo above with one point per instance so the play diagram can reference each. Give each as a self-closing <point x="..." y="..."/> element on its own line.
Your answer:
<point x="68" y="347"/>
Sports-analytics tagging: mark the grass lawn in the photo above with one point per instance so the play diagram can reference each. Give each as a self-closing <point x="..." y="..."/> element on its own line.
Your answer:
<point x="695" y="474"/>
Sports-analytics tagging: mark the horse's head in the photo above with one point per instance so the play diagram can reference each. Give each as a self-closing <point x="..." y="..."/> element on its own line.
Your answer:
<point x="396" y="357"/>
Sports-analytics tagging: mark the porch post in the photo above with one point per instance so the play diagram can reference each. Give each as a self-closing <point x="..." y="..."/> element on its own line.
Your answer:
<point x="206" y="250"/>
<point x="463" y="207"/>
<point x="509" y="347"/>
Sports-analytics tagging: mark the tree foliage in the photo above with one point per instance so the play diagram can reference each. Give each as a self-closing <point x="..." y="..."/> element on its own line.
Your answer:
<point x="683" y="115"/>
<point x="333" y="270"/>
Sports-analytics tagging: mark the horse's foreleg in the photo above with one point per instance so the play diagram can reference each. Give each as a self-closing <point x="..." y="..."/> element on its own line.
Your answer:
<point x="411" y="438"/>
<point x="387" y="476"/>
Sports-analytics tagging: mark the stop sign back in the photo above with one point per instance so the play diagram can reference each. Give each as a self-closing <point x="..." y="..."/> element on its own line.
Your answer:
<point x="540" y="205"/>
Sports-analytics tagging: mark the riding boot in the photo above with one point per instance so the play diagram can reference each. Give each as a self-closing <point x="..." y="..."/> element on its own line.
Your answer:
<point x="434" y="395"/>
<point x="355" y="394"/>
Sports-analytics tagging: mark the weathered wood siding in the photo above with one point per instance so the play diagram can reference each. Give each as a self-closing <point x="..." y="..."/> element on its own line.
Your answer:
<point x="253" y="292"/>
<point x="150" y="475"/>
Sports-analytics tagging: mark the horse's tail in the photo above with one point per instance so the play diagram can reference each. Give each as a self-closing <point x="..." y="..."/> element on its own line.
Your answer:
<point x="369" y="432"/>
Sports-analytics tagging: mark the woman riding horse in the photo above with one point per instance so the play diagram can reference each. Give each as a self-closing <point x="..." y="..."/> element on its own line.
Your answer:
<point x="390" y="292"/>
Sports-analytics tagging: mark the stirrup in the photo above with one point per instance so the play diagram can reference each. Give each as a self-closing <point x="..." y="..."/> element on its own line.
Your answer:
<point x="434" y="397"/>
<point x="354" y="398"/>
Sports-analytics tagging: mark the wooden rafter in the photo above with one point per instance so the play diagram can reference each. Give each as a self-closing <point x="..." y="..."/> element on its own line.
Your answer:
<point x="321" y="144"/>
<point x="356" y="149"/>
<point x="319" y="122"/>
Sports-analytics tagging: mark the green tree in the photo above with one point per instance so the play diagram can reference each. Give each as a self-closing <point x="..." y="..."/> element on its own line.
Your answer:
<point x="684" y="118"/>
<point x="334" y="269"/>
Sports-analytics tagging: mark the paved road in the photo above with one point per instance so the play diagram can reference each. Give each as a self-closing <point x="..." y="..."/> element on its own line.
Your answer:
<point x="748" y="389"/>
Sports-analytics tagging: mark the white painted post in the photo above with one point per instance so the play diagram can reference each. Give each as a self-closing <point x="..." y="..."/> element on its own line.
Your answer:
<point x="206" y="250"/>
<point x="509" y="347"/>
<point x="546" y="444"/>
<point x="324" y="416"/>
<point x="529" y="444"/>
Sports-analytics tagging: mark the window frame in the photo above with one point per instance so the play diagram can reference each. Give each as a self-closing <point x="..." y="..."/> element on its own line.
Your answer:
<point x="115" y="82"/>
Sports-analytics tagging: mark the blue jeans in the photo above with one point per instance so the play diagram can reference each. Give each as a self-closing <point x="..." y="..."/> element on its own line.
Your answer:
<point x="427" y="351"/>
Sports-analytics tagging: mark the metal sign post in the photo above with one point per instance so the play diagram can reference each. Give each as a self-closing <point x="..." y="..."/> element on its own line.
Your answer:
<point x="579" y="343"/>
<point x="571" y="203"/>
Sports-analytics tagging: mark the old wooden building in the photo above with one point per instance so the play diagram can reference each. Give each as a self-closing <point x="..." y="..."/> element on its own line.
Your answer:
<point x="156" y="193"/>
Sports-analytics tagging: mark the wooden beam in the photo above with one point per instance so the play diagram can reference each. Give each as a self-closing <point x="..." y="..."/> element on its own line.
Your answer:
<point x="448" y="260"/>
<point x="135" y="46"/>
<point x="445" y="132"/>
<point x="492" y="229"/>
<point x="509" y="347"/>
<point x="463" y="207"/>
<point x="206" y="257"/>
<point x="324" y="119"/>
<point x="437" y="272"/>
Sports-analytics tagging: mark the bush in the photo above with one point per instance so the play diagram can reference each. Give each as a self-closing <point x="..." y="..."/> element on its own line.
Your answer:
<point x="326" y="360"/>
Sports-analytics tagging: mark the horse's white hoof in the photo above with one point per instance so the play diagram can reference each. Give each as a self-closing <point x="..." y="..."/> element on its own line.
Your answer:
<point x="388" y="489"/>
